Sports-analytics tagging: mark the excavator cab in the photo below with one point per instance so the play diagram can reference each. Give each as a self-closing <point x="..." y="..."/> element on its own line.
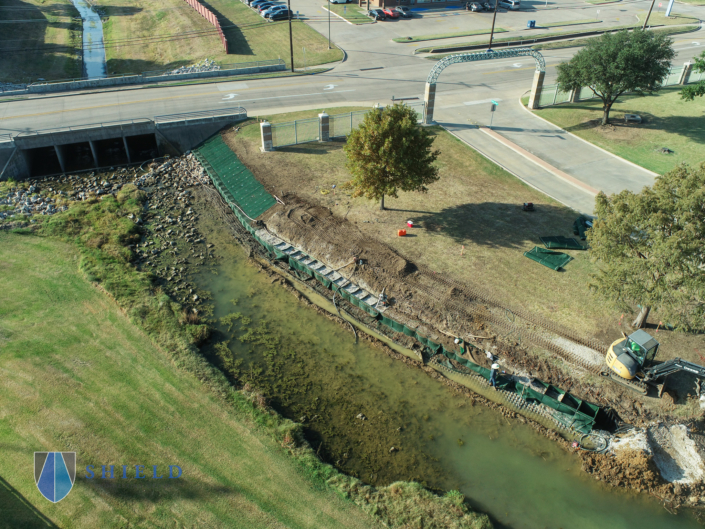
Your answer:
<point x="628" y="356"/>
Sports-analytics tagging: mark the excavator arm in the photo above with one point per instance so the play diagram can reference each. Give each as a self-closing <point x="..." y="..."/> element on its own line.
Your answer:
<point x="671" y="366"/>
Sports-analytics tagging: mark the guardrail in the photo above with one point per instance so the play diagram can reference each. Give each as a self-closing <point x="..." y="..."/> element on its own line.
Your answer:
<point x="238" y="112"/>
<point x="83" y="127"/>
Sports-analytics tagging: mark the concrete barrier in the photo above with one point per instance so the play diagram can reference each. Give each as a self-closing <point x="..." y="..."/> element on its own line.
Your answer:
<point x="41" y="88"/>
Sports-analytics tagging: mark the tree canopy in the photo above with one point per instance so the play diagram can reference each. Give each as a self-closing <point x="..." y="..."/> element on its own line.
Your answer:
<point x="688" y="93"/>
<point x="615" y="63"/>
<point x="388" y="153"/>
<point x="649" y="247"/>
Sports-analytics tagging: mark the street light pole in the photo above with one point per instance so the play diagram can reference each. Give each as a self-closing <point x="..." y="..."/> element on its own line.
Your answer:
<point x="328" y="24"/>
<point x="648" y="15"/>
<point x="494" y="17"/>
<point x="291" y="39"/>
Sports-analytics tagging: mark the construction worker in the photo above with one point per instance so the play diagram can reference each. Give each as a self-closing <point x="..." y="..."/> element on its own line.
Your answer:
<point x="493" y="375"/>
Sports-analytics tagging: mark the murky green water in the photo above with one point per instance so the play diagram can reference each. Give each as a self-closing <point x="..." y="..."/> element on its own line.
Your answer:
<point x="311" y="367"/>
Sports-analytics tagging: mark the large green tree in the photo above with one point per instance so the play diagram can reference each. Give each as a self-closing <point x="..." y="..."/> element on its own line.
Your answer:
<point x="615" y="63"/>
<point x="649" y="248"/>
<point x="691" y="92"/>
<point x="388" y="153"/>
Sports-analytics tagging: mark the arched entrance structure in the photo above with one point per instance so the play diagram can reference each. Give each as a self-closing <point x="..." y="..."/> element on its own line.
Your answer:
<point x="430" y="95"/>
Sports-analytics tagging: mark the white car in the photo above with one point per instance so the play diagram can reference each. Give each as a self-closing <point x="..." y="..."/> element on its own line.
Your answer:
<point x="338" y="1"/>
<point x="270" y="11"/>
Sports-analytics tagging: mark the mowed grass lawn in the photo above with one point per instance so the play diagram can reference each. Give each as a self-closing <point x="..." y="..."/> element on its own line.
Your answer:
<point x="76" y="375"/>
<point x="475" y="204"/>
<point x="351" y="12"/>
<point x="39" y="39"/>
<point x="668" y="122"/>
<point x="143" y="36"/>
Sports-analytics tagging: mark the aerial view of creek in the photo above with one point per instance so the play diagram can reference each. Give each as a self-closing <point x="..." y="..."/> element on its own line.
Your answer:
<point x="379" y="419"/>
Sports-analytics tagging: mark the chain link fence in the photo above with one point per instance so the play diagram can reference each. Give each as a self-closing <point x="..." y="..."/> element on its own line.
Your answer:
<point x="339" y="125"/>
<point x="553" y="95"/>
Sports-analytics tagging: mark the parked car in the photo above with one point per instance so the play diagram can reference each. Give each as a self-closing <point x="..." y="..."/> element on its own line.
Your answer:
<point x="403" y="11"/>
<point x="488" y="6"/>
<point x="377" y="14"/>
<point x="340" y="1"/>
<point x="511" y="5"/>
<point x="391" y="13"/>
<point x="474" y="6"/>
<point x="282" y="14"/>
<point x="270" y="11"/>
<point x="255" y="3"/>
<point x="264" y="6"/>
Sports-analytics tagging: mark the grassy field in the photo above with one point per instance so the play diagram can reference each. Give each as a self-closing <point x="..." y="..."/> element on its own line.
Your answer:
<point x="351" y="12"/>
<point x="39" y="40"/>
<point x="420" y="38"/>
<point x="668" y="122"/>
<point x="134" y="26"/>
<point x="80" y="377"/>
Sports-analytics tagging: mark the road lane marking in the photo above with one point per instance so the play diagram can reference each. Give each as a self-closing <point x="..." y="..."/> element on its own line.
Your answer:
<point x="480" y="102"/>
<point x="292" y="95"/>
<point x="227" y="87"/>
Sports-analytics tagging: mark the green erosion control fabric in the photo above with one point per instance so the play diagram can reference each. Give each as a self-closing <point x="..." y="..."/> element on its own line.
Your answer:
<point x="553" y="260"/>
<point x="561" y="243"/>
<point x="244" y="189"/>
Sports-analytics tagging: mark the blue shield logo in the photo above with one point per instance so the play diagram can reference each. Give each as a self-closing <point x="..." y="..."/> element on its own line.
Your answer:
<point x="54" y="474"/>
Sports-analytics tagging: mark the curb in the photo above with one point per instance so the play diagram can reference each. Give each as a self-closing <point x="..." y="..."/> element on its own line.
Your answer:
<point x="341" y="18"/>
<point x="585" y="141"/>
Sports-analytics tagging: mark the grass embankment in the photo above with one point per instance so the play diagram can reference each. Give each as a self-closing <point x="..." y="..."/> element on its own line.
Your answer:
<point x="120" y="381"/>
<point x="530" y="37"/>
<point x="141" y="37"/>
<point x="667" y="122"/>
<point x="39" y="40"/>
<point x="351" y="12"/>
<point x="583" y="41"/>
<point x="438" y="36"/>
<point x="568" y="23"/>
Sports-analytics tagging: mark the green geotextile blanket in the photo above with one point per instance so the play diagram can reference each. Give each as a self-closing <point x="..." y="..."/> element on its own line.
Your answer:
<point x="559" y="242"/>
<point x="553" y="260"/>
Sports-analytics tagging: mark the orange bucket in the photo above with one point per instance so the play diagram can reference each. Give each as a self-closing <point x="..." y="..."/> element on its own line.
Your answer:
<point x="401" y="233"/>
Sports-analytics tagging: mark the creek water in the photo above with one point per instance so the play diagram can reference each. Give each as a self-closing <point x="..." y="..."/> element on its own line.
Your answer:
<point x="311" y="367"/>
<point x="93" y="48"/>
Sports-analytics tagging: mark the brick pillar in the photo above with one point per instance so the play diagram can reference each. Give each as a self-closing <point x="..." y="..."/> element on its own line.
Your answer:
<point x="536" y="90"/>
<point x="575" y="95"/>
<point x="687" y="70"/>
<point x="266" y="129"/>
<point x="429" y="100"/>
<point x="323" y="127"/>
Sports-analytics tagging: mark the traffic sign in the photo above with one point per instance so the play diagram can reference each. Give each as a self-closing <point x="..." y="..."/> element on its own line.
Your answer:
<point x="494" y="102"/>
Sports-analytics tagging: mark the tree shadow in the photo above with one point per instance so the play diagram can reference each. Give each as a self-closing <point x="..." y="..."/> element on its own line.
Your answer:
<point x="154" y="490"/>
<point x="499" y="225"/>
<point x="17" y="511"/>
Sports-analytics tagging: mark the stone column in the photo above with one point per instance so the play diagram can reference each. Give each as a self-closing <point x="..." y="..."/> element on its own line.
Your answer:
<point x="95" y="153"/>
<point x="687" y="70"/>
<point x="575" y="95"/>
<point x="323" y="127"/>
<point x="60" y="155"/>
<point x="429" y="100"/>
<point x="127" y="149"/>
<point x="266" y="130"/>
<point x="536" y="90"/>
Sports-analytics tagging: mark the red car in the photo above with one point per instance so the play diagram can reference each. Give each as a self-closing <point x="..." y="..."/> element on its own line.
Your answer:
<point x="391" y="13"/>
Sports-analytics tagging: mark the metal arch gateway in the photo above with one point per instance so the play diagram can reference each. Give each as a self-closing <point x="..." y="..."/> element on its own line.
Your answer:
<point x="441" y="65"/>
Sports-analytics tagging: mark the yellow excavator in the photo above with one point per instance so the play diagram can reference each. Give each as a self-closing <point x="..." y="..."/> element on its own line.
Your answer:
<point x="631" y="362"/>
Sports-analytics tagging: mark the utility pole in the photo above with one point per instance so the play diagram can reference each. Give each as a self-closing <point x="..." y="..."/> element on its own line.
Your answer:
<point x="494" y="17"/>
<point x="647" y="16"/>
<point x="291" y="39"/>
<point x="328" y="24"/>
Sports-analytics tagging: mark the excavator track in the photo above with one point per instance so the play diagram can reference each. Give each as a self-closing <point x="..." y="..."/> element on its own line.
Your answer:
<point x="636" y="385"/>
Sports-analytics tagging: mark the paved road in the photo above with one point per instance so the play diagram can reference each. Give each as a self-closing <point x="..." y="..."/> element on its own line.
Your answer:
<point x="462" y="94"/>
